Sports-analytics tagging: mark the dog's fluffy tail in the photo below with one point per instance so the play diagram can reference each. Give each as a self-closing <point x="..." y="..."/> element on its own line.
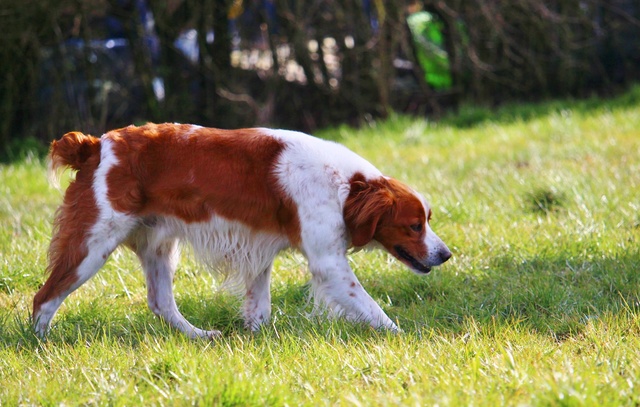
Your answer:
<point x="74" y="150"/>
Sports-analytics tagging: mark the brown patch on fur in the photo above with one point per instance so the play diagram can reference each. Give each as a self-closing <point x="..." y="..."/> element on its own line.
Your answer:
<point x="74" y="217"/>
<point x="192" y="173"/>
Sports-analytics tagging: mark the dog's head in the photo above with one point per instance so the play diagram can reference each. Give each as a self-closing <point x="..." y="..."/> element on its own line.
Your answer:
<point x="392" y="214"/>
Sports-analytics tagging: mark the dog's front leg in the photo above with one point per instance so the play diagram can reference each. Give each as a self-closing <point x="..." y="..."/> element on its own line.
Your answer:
<point x="336" y="287"/>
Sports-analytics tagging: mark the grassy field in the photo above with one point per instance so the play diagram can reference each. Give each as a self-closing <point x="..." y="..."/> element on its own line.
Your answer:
<point x="540" y="304"/>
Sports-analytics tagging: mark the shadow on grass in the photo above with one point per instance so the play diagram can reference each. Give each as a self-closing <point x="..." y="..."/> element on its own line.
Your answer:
<point x="551" y="296"/>
<point x="554" y="296"/>
<point x="98" y="321"/>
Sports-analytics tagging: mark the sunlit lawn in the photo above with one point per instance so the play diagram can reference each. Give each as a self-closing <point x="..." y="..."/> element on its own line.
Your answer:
<point x="540" y="304"/>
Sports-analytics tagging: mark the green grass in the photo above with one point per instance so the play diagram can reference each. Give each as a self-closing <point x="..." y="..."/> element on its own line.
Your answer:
<point x="540" y="304"/>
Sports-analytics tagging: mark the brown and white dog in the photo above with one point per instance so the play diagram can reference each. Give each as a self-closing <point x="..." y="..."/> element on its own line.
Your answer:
<point x="238" y="197"/>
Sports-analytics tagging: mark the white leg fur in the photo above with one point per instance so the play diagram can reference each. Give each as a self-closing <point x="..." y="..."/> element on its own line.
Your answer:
<point x="257" y="304"/>
<point x="335" y="286"/>
<point x="333" y="283"/>
<point x="159" y="262"/>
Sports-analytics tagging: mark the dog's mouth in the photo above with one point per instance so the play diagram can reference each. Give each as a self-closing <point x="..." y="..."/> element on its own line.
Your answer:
<point x="413" y="262"/>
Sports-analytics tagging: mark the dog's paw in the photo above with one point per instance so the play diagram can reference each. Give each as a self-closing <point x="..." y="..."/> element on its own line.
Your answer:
<point x="213" y="334"/>
<point x="201" y="333"/>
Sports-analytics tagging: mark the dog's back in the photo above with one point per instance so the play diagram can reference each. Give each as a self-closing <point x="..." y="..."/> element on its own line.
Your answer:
<point x="191" y="173"/>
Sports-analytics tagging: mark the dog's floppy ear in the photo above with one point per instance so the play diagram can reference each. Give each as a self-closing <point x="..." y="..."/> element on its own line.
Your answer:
<point x="366" y="203"/>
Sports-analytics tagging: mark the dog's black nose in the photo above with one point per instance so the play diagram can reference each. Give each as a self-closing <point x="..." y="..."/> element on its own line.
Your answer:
<point x="444" y="255"/>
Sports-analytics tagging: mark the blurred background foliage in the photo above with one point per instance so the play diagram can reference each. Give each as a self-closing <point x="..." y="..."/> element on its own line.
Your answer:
<point x="92" y="65"/>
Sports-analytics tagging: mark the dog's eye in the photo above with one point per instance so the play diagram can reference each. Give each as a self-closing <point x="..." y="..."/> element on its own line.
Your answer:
<point x="416" y="227"/>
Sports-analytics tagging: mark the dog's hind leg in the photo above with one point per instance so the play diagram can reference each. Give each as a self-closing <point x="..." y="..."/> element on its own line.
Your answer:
<point x="159" y="262"/>
<point x="257" y="304"/>
<point x="79" y="248"/>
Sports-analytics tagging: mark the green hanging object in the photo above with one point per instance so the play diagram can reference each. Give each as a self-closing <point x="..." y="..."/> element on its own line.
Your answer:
<point x="427" y="32"/>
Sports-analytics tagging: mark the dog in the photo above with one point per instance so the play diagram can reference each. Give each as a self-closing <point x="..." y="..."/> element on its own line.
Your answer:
<point x="238" y="197"/>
